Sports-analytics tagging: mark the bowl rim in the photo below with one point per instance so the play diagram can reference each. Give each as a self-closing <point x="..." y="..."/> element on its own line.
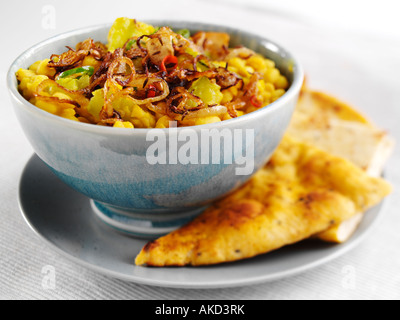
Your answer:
<point x="294" y="89"/>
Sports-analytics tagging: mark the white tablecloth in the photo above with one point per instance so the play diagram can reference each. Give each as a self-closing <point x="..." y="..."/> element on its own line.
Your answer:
<point x="356" y="60"/>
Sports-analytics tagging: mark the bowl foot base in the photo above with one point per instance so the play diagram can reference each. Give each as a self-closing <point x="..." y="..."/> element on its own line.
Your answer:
<point x="148" y="225"/>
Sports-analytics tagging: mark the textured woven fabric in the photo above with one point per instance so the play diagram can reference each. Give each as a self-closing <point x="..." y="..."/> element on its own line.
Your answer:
<point x="359" y="68"/>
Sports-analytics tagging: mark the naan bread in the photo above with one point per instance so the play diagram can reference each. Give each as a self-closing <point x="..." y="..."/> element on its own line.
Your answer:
<point x="299" y="193"/>
<point x="337" y="128"/>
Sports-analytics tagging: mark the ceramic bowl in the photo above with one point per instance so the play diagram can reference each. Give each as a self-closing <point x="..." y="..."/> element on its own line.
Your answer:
<point x="122" y="171"/>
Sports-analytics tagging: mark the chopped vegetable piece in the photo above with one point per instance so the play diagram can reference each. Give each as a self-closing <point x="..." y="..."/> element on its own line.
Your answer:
<point x="151" y="91"/>
<point x="207" y="91"/>
<point x="77" y="72"/>
<point x="123" y="29"/>
<point x="74" y="83"/>
<point x="169" y="62"/>
<point x="184" y="32"/>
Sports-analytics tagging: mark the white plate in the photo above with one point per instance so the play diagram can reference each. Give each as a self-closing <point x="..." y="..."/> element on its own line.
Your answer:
<point x="64" y="218"/>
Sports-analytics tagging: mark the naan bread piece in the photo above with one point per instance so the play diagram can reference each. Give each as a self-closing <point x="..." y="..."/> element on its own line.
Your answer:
<point x="319" y="108"/>
<point x="341" y="232"/>
<point x="337" y="128"/>
<point x="365" y="146"/>
<point x="300" y="192"/>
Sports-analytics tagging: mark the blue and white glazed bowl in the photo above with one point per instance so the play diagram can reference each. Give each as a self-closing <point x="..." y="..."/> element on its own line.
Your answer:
<point x="109" y="165"/>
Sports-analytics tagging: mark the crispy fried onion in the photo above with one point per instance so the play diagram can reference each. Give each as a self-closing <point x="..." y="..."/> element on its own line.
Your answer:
<point x="241" y="52"/>
<point x="185" y="61"/>
<point x="135" y="92"/>
<point x="50" y="87"/>
<point x="111" y="88"/>
<point x="96" y="49"/>
<point x="224" y="78"/>
<point x="182" y="104"/>
<point x="214" y="43"/>
<point x="235" y="105"/>
<point x="181" y="100"/>
<point x="159" y="45"/>
<point x="66" y="104"/>
<point x="135" y="53"/>
<point x="63" y="103"/>
<point x="198" y="113"/>
<point x="106" y="62"/>
<point x="251" y="88"/>
<point x="121" y="70"/>
<point x="248" y="92"/>
<point x="46" y="90"/>
<point x="141" y="83"/>
<point x="99" y="82"/>
<point x="206" y="112"/>
<point x="188" y="71"/>
<point x="66" y="60"/>
<point x="73" y="58"/>
<point x="160" y="107"/>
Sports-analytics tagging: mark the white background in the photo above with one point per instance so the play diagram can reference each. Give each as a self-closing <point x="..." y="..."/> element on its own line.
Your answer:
<point x="348" y="48"/>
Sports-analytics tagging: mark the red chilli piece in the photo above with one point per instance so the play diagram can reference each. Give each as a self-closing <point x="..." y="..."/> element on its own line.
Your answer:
<point x="151" y="91"/>
<point x="169" y="62"/>
<point x="255" y="102"/>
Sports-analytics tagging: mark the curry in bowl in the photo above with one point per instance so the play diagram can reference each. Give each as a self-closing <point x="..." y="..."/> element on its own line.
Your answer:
<point x="149" y="77"/>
